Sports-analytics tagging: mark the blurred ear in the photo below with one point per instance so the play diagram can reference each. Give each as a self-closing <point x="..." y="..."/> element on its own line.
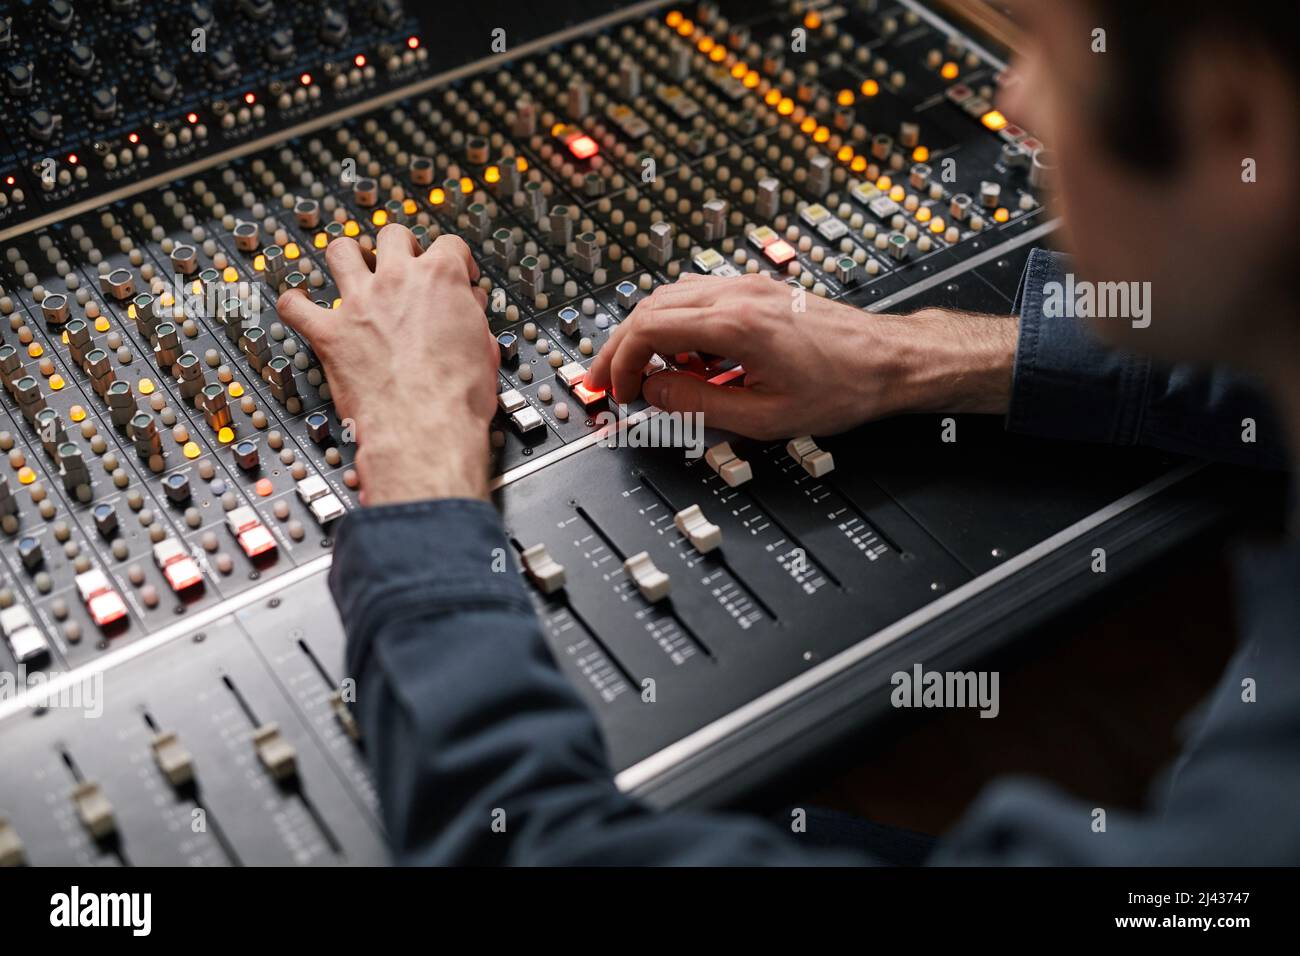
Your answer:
<point x="1239" y="115"/>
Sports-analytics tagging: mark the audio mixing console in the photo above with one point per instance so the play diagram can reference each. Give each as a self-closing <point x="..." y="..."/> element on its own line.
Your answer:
<point x="175" y="469"/>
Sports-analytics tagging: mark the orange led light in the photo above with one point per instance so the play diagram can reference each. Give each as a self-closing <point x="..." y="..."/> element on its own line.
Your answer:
<point x="259" y="264"/>
<point x="772" y="97"/>
<point x="359" y="60"/>
<point x="1001" y="215"/>
<point x="492" y="175"/>
<point x="56" y="382"/>
<point x="845" y="98"/>
<point x="437" y="197"/>
<point x="466" y="185"/>
<point x="883" y="183"/>
<point x="786" y="106"/>
<point x="948" y="71"/>
<point x="379" y="218"/>
<point x="705" y="44"/>
<point x="821" y="134"/>
<point x="133" y="137"/>
<point x="920" y="154"/>
<point x="250" y="98"/>
<point x="845" y="154"/>
<point x="236" y="390"/>
<point x="859" y="164"/>
<point x="191" y="450"/>
<point x="738" y="70"/>
<point x="870" y="87"/>
<point x="812" y="20"/>
<point x="674" y="17"/>
<point x="351" y="228"/>
<point x="752" y="79"/>
<point x="521" y="164"/>
<point x="226" y="434"/>
<point x="192" y="118"/>
<point x="994" y="120"/>
<point x="102" y="324"/>
<point x="77" y="413"/>
<point x="230" y="275"/>
<point x="413" y="42"/>
<point x="320" y="240"/>
<point x="291" y="251"/>
<point x="808" y="125"/>
<point x="718" y="54"/>
<point x="305" y="79"/>
<point x="409" y="207"/>
<point x="685" y="28"/>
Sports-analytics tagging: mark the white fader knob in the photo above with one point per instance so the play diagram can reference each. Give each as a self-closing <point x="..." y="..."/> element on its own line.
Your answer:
<point x="543" y="570"/>
<point x="805" y="451"/>
<point x="733" y="470"/>
<point x="702" y="533"/>
<point x="652" y="582"/>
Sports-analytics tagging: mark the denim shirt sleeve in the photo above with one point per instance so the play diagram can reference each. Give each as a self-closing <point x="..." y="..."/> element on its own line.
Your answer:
<point x="1067" y="385"/>
<point x="468" y="723"/>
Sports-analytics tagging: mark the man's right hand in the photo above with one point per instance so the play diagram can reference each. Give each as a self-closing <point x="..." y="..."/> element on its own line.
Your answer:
<point x="818" y="371"/>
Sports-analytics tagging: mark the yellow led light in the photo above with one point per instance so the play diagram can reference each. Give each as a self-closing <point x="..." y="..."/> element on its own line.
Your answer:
<point x="236" y="390"/>
<point x="166" y="300"/>
<point x="466" y="185"/>
<point x="320" y="240"/>
<point x="191" y="450"/>
<point x="556" y="129"/>
<point x="291" y="251"/>
<point x="920" y="154"/>
<point x="685" y="28"/>
<point x="197" y="287"/>
<point x="870" y="87"/>
<point x="786" y="106"/>
<point x="812" y="20"/>
<point x="409" y="207"/>
<point x="146" y="386"/>
<point x="808" y="125"/>
<point x="859" y="164"/>
<point x="772" y="97"/>
<point x="937" y="225"/>
<point x="897" y="194"/>
<point x="1001" y="214"/>
<point x="130" y="314"/>
<point x="948" y="71"/>
<point x="705" y="44"/>
<point x="102" y="324"/>
<point x="380" y="218"/>
<point x="923" y="214"/>
<point x="845" y="98"/>
<point x="521" y="164"/>
<point x="437" y="197"/>
<point x="491" y="175"/>
<point x="718" y="54"/>
<point x="351" y="228"/>
<point x="674" y="17"/>
<point x="259" y="263"/>
<point x="994" y="120"/>
<point x="77" y="413"/>
<point x="230" y="275"/>
<point x="226" y="435"/>
<point x="752" y="79"/>
<point x="821" y="134"/>
<point x="844" y="154"/>
<point x="56" y="382"/>
<point x="336" y="303"/>
<point x="26" y="476"/>
<point x="883" y="183"/>
<point x="35" y="350"/>
<point x="738" y="70"/>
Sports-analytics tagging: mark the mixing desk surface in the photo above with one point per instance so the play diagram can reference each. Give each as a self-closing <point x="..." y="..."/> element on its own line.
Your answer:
<point x="175" y="468"/>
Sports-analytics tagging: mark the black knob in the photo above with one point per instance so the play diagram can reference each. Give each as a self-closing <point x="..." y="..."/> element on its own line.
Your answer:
<point x="333" y="26"/>
<point x="257" y="9"/>
<point x="200" y="15"/>
<point x="279" y="46"/>
<point x="58" y="13"/>
<point x="18" y="78"/>
<point x="177" y="488"/>
<point x="222" y="65"/>
<point x="162" y="84"/>
<point x="387" y="12"/>
<point x="40" y="123"/>
<point x="29" y="549"/>
<point x="144" y="38"/>
<point x="81" y="59"/>
<point x="103" y="102"/>
<point x="105" y="520"/>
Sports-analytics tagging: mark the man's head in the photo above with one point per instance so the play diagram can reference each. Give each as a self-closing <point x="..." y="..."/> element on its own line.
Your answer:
<point x="1157" y="124"/>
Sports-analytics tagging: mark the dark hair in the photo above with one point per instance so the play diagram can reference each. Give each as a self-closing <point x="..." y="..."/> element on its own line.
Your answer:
<point x="1144" y="41"/>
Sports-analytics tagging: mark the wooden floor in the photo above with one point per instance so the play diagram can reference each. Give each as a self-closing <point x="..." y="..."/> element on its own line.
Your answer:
<point x="1095" y="710"/>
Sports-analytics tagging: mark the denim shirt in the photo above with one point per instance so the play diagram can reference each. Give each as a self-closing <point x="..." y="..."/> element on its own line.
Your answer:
<point x="466" y="717"/>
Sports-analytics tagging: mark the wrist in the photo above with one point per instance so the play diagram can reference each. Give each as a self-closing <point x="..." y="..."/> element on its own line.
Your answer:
<point x="958" y="362"/>
<point x="406" y="462"/>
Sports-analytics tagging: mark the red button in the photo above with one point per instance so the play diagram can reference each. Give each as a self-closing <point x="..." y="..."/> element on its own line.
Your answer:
<point x="256" y="540"/>
<point x="588" y="396"/>
<point x="583" y="147"/>
<point x="106" y="607"/>
<point x="182" y="573"/>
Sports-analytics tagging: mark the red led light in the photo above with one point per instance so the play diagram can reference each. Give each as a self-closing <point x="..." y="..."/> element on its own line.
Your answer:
<point x="413" y="42"/>
<point x="72" y="158"/>
<point x="133" y="137"/>
<point x="250" y="98"/>
<point x="305" y="79"/>
<point x="359" y="60"/>
<point x="583" y="147"/>
<point x="193" y="118"/>
<point x="9" y="180"/>
<point x="588" y="396"/>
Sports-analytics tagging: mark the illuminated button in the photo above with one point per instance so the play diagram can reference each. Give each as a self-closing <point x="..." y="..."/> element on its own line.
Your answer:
<point x="702" y="533"/>
<point x="191" y="450"/>
<point x="104" y="604"/>
<point x="650" y="581"/>
<point x="180" y="570"/>
<point x="588" y="396"/>
<point x="814" y="460"/>
<point x="146" y="386"/>
<point x="249" y="531"/>
<point x="779" y="252"/>
<point x="994" y="120"/>
<point x="264" y="488"/>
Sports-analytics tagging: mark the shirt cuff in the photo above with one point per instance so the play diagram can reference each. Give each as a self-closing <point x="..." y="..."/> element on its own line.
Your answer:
<point x="450" y="552"/>
<point x="1065" y="384"/>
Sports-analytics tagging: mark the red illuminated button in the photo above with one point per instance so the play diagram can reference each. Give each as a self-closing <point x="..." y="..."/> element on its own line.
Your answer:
<point x="588" y="396"/>
<point x="779" y="252"/>
<point x="583" y="147"/>
<point x="177" y="566"/>
<point x="249" y="531"/>
<point x="103" y="603"/>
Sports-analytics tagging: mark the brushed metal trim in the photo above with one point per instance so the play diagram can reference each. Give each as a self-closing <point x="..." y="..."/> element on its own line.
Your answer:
<point x="320" y="122"/>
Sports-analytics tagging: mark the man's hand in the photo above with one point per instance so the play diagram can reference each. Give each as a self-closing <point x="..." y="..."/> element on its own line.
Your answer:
<point x="817" y="371"/>
<point x="410" y="360"/>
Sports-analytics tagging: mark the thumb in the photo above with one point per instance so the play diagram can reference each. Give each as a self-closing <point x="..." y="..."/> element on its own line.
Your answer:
<point x="726" y="407"/>
<point x="302" y="314"/>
